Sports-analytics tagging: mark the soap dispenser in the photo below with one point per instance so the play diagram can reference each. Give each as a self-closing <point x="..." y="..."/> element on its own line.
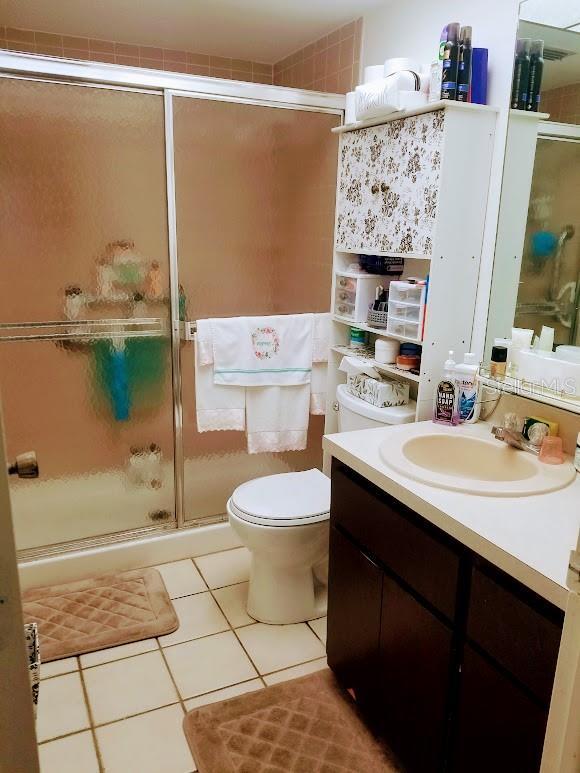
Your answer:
<point x="444" y="408"/>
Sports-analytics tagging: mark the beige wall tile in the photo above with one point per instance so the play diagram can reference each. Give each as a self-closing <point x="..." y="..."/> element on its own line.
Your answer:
<point x="20" y="36"/>
<point x="124" y="49"/>
<point x="221" y="62"/>
<point x="174" y="55"/>
<point x="78" y="44"/>
<point x="102" y="46"/>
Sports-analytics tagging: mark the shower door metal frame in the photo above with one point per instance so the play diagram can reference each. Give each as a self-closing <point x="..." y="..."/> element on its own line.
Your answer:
<point x="168" y="85"/>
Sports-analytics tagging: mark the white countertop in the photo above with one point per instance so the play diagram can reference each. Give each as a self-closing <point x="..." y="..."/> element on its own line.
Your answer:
<point x="529" y="538"/>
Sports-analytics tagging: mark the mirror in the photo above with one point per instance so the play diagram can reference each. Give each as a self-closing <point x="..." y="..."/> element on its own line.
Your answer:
<point x="536" y="278"/>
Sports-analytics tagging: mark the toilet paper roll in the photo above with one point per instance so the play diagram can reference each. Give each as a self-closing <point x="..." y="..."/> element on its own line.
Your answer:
<point x="400" y="63"/>
<point x="350" y="107"/>
<point x="373" y="72"/>
<point x="411" y="99"/>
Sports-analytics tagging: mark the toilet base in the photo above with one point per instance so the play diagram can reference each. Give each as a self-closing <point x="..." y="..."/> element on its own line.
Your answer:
<point x="280" y="596"/>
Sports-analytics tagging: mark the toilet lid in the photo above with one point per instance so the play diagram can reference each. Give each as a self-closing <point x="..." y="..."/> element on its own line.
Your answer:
<point x="285" y="499"/>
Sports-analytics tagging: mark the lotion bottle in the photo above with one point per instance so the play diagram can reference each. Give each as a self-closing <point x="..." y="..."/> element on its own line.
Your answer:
<point x="445" y="403"/>
<point x="467" y="409"/>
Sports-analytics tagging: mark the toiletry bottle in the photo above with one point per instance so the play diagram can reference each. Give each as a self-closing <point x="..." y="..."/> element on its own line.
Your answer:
<point x="536" y="71"/>
<point x="450" y="62"/>
<point x="577" y="454"/>
<point x="437" y="69"/>
<point x="464" y="69"/>
<point x="498" y="361"/>
<point x="444" y="408"/>
<point x="466" y="378"/>
<point x="521" y="74"/>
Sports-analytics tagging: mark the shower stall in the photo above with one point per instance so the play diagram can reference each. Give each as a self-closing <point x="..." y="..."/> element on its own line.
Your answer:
<point x="134" y="201"/>
<point x="549" y="288"/>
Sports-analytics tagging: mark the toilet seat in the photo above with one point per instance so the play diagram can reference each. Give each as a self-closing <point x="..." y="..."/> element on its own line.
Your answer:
<point x="287" y="499"/>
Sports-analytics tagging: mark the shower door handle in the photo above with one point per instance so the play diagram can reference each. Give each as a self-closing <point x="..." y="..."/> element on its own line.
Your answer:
<point x="25" y="465"/>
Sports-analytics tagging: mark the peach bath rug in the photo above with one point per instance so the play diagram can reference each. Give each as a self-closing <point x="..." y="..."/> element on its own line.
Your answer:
<point x="307" y="725"/>
<point x="79" y="617"/>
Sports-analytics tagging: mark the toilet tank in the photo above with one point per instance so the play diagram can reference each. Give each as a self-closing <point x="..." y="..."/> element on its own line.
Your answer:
<point x="354" y="413"/>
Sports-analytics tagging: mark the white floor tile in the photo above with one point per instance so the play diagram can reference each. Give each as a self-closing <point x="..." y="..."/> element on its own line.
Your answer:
<point x="208" y="664"/>
<point x="274" y="647"/>
<point x="232" y="600"/>
<point x="225" y="568"/>
<point x="58" y="667"/>
<point x="61" y="707"/>
<point x="293" y="673"/>
<point x="181" y="578"/>
<point x="222" y="695"/>
<point x="72" y="754"/>
<point x="198" y="616"/>
<point x="319" y="628"/>
<point x="149" y="743"/>
<point x="127" y="687"/>
<point x="116" y="653"/>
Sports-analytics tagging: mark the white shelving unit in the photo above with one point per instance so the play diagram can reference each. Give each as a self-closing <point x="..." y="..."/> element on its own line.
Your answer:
<point x="455" y="141"/>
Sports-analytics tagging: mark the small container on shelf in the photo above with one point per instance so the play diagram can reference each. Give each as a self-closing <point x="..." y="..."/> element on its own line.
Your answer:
<point x="353" y="294"/>
<point x="407" y="309"/>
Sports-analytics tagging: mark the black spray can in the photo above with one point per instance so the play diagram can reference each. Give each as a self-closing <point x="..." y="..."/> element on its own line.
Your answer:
<point x="536" y="70"/>
<point x="521" y="74"/>
<point x="464" y="68"/>
<point x="450" y="62"/>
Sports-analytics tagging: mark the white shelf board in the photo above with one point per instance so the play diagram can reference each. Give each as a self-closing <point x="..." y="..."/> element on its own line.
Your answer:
<point x="380" y="331"/>
<point x="392" y="254"/>
<point x="347" y="352"/>
<point x="514" y="386"/>
<point x="430" y="107"/>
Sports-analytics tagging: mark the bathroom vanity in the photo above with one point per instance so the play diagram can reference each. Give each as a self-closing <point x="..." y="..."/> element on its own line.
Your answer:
<point x="452" y="657"/>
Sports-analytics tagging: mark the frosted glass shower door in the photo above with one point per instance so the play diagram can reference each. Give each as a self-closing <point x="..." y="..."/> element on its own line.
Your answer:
<point x="549" y="288"/>
<point x="85" y="358"/>
<point x="255" y="188"/>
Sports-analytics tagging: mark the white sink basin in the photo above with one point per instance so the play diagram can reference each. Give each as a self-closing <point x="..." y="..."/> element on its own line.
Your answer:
<point x="465" y="459"/>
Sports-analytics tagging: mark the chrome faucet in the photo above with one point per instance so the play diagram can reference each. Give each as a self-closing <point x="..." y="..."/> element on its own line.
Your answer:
<point x="515" y="439"/>
<point x="511" y="433"/>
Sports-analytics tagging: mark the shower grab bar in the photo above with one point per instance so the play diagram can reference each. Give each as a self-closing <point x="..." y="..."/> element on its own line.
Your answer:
<point x="85" y="330"/>
<point x="93" y="322"/>
<point x="85" y="336"/>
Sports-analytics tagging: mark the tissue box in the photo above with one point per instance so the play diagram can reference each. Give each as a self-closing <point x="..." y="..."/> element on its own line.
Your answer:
<point x="380" y="392"/>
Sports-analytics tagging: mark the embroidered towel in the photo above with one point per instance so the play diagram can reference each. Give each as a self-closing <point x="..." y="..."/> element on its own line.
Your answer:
<point x="217" y="407"/>
<point x="263" y="351"/>
<point x="277" y="418"/>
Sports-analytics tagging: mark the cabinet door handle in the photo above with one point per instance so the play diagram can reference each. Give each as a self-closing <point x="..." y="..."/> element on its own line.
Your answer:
<point x="384" y="187"/>
<point x="375" y="188"/>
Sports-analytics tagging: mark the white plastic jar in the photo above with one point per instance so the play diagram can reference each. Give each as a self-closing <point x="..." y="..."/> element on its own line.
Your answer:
<point x="386" y="350"/>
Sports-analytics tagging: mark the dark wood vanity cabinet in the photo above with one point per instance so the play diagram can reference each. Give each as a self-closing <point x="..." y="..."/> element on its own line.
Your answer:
<point x="452" y="660"/>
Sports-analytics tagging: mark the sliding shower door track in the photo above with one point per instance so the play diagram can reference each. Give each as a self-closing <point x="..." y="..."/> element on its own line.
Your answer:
<point x="105" y="540"/>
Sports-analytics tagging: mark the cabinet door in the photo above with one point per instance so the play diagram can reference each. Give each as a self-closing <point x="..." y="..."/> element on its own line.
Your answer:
<point x="357" y="203"/>
<point x="388" y="189"/>
<point x="415" y="663"/>
<point x="354" y="613"/>
<point x="500" y="728"/>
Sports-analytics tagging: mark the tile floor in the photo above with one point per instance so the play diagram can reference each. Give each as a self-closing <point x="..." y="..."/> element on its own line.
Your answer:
<point x="120" y="710"/>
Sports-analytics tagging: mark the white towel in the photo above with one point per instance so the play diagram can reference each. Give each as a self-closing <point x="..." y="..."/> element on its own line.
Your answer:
<point x="203" y="341"/>
<point x="217" y="407"/>
<point x="277" y="418"/>
<point x="321" y="337"/>
<point x="318" y="388"/>
<point x="263" y="351"/>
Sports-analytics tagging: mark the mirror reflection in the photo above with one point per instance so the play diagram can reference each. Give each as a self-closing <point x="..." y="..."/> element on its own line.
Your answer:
<point x="535" y="299"/>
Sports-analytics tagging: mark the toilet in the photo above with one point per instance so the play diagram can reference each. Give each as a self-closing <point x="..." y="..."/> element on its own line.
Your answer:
<point x="283" y="520"/>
